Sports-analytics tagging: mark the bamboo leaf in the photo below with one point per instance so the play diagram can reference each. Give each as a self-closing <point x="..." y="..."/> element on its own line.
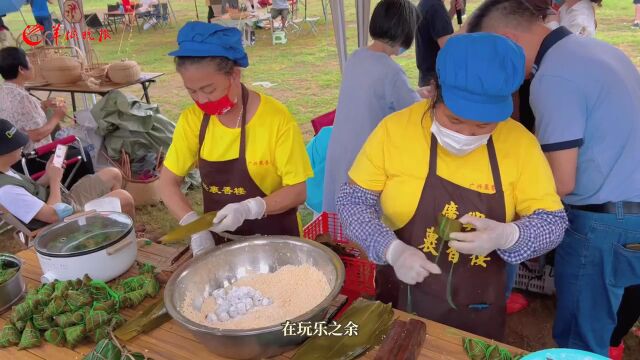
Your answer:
<point x="373" y="320"/>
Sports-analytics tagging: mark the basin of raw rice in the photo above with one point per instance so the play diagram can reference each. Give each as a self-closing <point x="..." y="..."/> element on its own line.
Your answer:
<point x="262" y="282"/>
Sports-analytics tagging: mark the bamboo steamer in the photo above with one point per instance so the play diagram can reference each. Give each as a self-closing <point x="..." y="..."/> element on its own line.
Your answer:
<point x="124" y="72"/>
<point x="61" y="70"/>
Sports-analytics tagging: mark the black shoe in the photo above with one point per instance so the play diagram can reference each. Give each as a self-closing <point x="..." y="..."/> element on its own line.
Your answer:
<point x="636" y="25"/>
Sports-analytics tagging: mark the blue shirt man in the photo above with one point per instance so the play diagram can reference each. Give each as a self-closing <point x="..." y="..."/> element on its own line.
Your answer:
<point x="584" y="95"/>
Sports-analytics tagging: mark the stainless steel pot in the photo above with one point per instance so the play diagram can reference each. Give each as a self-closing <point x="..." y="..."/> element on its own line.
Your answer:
<point x="12" y="290"/>
<point x="225" y="264"/>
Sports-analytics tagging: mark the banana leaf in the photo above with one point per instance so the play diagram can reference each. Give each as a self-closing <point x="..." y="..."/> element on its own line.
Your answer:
<point x="54" y="336"/>
<point x="74" y="335"/>
<point x="152" y="317"/>
<point x="447" y="226"/>
<point x="96" y="319"/>
<point x="9" y="336"/>
<point x="373" y="319"/>
<point x="30" y="337"/>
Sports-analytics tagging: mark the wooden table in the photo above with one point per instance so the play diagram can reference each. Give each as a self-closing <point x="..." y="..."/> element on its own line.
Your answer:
<point x="172" y="342"/>
<point x="145" y="80"/>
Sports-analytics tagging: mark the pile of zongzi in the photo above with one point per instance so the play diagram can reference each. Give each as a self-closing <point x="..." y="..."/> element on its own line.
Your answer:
<point x="70" y="311"/>
<point x="477" y="349"/>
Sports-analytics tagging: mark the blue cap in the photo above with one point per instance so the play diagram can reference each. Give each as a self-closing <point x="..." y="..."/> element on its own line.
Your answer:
<point x="478" y="73"/>
<point x="202" y="39"/>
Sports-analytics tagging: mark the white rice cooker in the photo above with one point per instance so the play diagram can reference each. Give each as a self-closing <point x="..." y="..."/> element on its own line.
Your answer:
<point x="101" y="244"/>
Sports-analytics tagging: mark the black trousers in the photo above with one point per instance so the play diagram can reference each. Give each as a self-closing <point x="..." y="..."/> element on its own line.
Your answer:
<point x="38" y="164"/>
<point x="628" y="314"/>
<point x="526" y="113"/>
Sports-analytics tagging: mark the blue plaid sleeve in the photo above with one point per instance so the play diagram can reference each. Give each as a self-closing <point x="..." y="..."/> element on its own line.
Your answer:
<point x="540" y="233"/>
<point x="360" y="216"/>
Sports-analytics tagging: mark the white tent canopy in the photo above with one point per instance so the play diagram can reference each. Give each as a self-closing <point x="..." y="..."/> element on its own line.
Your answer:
<point x="363" y="9"/>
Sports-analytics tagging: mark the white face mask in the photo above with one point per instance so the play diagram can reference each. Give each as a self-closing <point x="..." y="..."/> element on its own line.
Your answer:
<point x="456" y="143"/>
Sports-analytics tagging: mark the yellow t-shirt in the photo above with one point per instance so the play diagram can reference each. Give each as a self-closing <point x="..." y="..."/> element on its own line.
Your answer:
<point x="276" y="156"/>
<point x="395" y="162"/>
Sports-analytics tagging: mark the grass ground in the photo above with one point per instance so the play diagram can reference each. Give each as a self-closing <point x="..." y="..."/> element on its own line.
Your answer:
<point x="307" y="78"/>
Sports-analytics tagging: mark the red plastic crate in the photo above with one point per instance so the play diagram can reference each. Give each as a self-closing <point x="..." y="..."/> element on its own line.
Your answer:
<point x="359" y="278"/>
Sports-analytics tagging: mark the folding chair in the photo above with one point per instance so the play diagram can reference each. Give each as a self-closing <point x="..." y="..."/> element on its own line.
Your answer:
<point x="22" y="233"/>
<point x="93" y="22"/>
<point x="161" y="15"/>
<point x="112" y="20"/>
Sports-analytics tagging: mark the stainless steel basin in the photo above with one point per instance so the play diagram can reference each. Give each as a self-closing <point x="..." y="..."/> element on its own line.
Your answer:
<point x="223" y="265"/>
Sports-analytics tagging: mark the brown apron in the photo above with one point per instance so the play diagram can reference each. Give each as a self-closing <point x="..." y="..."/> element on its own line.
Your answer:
<point x="229" y="181"/>
<point x="475" y="299"/>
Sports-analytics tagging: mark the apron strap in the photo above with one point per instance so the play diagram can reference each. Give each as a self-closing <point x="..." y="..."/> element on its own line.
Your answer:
<point x="553" y="38"/>
<point x="243" y="135"/>
<point x="433" y="156"/>
<point x="495" y="169"/>
<point x="493" y="161"/>
<point x="203" y="130"/>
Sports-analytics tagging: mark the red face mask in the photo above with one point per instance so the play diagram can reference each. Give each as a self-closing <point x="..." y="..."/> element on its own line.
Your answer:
<point x="217" y="107"/>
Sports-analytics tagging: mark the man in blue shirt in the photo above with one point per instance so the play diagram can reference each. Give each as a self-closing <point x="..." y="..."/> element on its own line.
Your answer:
<point x="584" y="95"/>
<point x="43" y="17"/>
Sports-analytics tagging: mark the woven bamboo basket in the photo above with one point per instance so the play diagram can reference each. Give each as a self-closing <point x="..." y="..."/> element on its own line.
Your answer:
<point x="144" y="192"/>
<point x="95" y="68"/>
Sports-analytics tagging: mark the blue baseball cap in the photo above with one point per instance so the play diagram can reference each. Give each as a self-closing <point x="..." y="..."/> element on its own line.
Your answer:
<point x="478" y="73"/>
<point x="200" y="39"/>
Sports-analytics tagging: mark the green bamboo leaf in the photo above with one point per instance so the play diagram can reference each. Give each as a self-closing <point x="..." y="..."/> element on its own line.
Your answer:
<point x="373" y="320"/>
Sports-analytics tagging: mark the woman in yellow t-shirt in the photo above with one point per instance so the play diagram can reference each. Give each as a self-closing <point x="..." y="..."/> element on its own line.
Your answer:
<point x="247" y="146"/>
<point x="459" y="157"/>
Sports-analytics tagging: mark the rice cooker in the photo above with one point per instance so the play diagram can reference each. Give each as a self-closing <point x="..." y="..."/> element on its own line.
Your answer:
<point x="99" y="243"/>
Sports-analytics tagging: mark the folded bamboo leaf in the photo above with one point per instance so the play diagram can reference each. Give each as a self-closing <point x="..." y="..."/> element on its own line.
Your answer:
<point x="107" y="306"/>
<point x="96" y="319"/>
<point x="9" y="335"/>
<point x="61" y="288"/>
<point x="100" y="333"/>
<point x="74" y="335"/>
<point x="46" y="291"/>
<point x="116" y="321"/>
<point x="86" y="281"/>
<point x="30" y="337"/>
<point x="373" y="320"/>
<point x="55" y="307"/>
<point x="20" y="312"/>
<point x="447" y="226"/>
<point x="20" y="325"/>
<point x="152" y="317"/>
<point x="78" y="299"/>
<point x="41" y="322"/>
<point x="133" y="298"/>
<point x="6" y="275"/>
<point x="66" y="320"/>
<point x="54" y="336"/>
<point x="105" y="350"/>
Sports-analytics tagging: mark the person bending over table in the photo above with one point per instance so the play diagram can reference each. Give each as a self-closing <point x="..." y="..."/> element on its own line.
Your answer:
<point x="29" y="114"/>
<point x="37" y="203"/>
<point x="458" y="156"/>
<point x="247" y="146"/>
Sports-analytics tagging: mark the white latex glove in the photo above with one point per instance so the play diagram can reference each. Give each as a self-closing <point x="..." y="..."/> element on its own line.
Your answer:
<point x="233" y="215"/>
<point x="199" y="241"/>
<point x="489" y="236"/>
<point x="409" y="263"/>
